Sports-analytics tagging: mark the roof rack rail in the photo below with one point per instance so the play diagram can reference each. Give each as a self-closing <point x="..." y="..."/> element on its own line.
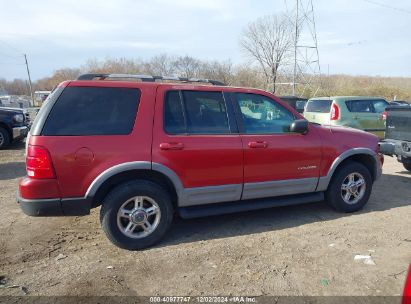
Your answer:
<point x="147" y="78"/>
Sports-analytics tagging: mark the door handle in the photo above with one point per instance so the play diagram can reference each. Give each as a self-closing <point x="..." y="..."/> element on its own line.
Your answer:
<point x="257" y="144"/>
<point x="171" y="146"/>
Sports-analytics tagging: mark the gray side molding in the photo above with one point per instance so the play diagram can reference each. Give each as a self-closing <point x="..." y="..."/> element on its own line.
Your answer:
<point x="210" y="195"/>
<point x="279" y="188"/>
<point x="105" y="175"/>
<point x="325" y="180"/>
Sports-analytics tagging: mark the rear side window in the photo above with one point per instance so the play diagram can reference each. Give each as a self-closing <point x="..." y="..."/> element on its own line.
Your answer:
<point x="195" y="112"/>
<point x="174" y="121"/>
<point x="359" y="106"/>
<point x="93" y="111"/>
<point x="319" y="106"/>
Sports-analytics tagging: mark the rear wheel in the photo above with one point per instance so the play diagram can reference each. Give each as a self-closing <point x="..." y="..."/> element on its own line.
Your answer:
<point x="136" y="215"/>
<point x="350" y="188"/>
<point x="4" y="138"/>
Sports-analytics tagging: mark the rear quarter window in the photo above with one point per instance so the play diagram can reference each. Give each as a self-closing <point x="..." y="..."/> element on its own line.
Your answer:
<point x="319" y="106"/>
<point x="93" y="111"/>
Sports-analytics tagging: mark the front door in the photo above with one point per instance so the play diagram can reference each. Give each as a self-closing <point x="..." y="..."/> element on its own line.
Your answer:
<point x="195" y="136"/>
<point x="276" y="161"/>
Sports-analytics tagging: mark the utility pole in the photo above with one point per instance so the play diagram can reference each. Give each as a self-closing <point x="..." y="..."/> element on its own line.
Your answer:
<point x="295" y="50"/>
<point x="30" y="85"/>
<point x="306" y="55"/>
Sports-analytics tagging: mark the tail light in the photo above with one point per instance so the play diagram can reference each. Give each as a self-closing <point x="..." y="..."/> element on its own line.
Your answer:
<point x="407" y="289"/>
<point x="384" y="115"/>
<point x="335" y="112"/>
<point x="38" y="163"/>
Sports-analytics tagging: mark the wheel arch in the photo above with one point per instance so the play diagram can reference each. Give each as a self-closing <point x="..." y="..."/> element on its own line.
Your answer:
<point x="365" y="156"/>
<point x="122" y="173"/>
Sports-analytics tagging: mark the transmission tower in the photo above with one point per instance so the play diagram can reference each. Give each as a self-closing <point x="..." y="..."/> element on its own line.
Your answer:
<point x="306" y="59"/>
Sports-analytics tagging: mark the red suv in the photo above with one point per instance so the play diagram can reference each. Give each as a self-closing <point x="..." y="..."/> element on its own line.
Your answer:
<point x="145" y="149"/>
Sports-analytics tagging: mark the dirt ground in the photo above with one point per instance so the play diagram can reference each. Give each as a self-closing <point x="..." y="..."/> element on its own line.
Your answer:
<point x="298" y="250"/>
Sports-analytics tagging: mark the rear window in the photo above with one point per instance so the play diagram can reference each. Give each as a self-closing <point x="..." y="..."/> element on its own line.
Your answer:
<point x="93" y="111"/>
<point x="319" y="106"/>
<point x="195" y="112"/>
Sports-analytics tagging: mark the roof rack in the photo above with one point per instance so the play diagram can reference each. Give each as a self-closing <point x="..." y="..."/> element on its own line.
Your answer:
<point x="147" y="78"/>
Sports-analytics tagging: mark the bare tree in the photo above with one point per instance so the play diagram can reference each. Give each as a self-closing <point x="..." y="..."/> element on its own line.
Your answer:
<point x="161" y="65"/>
<point x="268" y="41"/>
<point x="187" y="66"/>
<point x="222" y="71"/>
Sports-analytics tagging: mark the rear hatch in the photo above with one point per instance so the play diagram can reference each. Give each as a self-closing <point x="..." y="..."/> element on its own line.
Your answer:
<point x="398" y="123"/>
<point x="318" y="111"/>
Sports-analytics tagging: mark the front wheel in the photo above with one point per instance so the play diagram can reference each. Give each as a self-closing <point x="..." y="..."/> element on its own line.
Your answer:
<point x="136" y="215"/>
<point x="407" y="164"/>
<point x="4" y="138"/>
<point x="350" y="188"/>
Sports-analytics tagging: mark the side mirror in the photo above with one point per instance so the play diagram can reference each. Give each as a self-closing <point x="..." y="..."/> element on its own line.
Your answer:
<point x="299" y="126"/>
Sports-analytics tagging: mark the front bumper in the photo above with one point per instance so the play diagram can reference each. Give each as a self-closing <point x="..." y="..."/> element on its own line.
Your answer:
<point x="55" y="206"/>
<point x="20" y="132"/>
<point x="400" y="148"/>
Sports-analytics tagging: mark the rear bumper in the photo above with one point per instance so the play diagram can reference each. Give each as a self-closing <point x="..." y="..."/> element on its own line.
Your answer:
<point x="54" y="206"/>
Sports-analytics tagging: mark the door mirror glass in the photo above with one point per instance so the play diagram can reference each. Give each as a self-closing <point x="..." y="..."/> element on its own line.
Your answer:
<point x="299" y="126"/>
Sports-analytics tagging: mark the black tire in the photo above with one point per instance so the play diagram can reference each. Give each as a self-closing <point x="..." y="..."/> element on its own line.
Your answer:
<point x="333" y="194"/>
<point x="121" y="194"/>
<point x="4" y="138"/>
<point x="407" y="164"/>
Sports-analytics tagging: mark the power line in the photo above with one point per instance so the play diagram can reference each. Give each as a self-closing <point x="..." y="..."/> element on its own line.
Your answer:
<point x="389" y="6"/>
<point x="10" y="46"/>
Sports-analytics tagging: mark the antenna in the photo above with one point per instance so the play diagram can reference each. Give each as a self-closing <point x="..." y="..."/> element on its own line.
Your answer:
<point x="306" y="65"/>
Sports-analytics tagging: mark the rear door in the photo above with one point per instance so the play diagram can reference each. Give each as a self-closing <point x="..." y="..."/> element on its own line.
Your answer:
<point x="367" y="115"/>
<point x="379" y="106"/>
<point x="195" y="136"/>
<point x="276" y="161"/>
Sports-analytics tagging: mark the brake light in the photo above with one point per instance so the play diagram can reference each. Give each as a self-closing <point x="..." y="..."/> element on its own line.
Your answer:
<point x="335" y="112"/>
<point x="384" y="115"/>
<point x="407" y="289"/>
<point x="38" y="163"/>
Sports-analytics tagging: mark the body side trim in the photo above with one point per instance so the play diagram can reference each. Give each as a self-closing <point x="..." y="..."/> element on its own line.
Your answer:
<point x="210" y="195"/>
<point x="279" y="188"/>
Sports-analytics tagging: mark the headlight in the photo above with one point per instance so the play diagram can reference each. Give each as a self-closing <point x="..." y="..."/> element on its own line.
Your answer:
<point x="18" y="118"/>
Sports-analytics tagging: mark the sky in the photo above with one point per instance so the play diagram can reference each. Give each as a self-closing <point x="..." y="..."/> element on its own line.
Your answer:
<point x="357" y="37"/>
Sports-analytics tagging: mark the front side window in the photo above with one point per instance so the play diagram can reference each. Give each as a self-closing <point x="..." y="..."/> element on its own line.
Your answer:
<point x="93" y="111"/>
<point x="195" y="112"/>
<point x="379" y="105"/>
<point x="262" y="115"/>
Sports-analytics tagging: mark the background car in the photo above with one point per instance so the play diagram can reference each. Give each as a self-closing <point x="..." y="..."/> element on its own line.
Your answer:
<point x="297" y="103"/>
<point x="399" y="103"/>
<point x="359" y="112"/>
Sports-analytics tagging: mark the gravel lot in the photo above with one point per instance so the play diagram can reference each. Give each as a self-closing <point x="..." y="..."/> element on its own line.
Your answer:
<point x="298" y="250"/>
